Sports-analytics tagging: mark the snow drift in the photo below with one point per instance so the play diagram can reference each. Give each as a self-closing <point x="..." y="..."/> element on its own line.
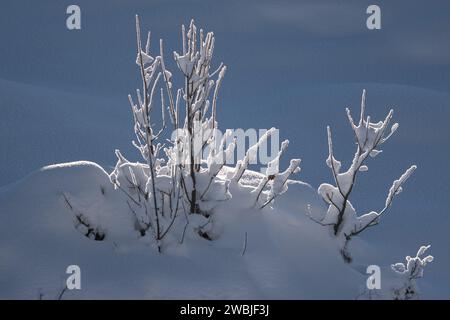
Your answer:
<point x="287" y="255"/>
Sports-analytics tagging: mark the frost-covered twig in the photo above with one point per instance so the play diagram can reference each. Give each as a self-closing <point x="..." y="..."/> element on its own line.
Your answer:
<point x="279" y="182"/>
<point x="371" y="219"/>
<point x="250" y="155"/>
<point x="276" y="181"/>
<point x="217" y="158"/>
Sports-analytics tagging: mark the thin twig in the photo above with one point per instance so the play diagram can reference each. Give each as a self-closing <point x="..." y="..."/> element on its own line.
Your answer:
<point x="244" y="248"/>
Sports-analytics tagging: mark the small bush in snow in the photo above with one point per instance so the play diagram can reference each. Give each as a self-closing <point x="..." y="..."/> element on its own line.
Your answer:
<point x="179" y="178"/>
<point x="409" y="272"/>
<point x="341" y="216"/>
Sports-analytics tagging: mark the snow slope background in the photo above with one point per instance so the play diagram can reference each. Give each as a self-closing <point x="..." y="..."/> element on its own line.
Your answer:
<point x="63" y="98"/>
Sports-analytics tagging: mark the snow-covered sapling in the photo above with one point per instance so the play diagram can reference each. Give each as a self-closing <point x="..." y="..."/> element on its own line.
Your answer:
<point x="409" y="272"/>
<point x="341" y="216"/>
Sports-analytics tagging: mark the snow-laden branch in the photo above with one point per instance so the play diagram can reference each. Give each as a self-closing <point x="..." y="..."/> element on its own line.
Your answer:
<point x="273" y="183"/>
<point x="250" y="156"/>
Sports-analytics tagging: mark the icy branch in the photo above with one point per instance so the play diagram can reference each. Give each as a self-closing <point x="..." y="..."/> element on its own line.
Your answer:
<point x="250" y="155"/>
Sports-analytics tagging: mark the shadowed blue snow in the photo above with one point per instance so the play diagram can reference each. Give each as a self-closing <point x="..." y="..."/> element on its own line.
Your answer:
<point x="291" y="64"/>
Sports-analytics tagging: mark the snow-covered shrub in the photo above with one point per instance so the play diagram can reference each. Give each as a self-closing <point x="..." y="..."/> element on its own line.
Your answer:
<point x="341" y="216"/>
<point x="189" y="175"/>
<point x="408" y="273"/>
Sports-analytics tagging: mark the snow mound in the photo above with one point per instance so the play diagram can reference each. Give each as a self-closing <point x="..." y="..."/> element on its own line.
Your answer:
<point x="273" y="253"/>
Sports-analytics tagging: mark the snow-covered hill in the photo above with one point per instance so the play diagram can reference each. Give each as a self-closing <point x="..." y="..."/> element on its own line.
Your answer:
<point x="286" y="256"/>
